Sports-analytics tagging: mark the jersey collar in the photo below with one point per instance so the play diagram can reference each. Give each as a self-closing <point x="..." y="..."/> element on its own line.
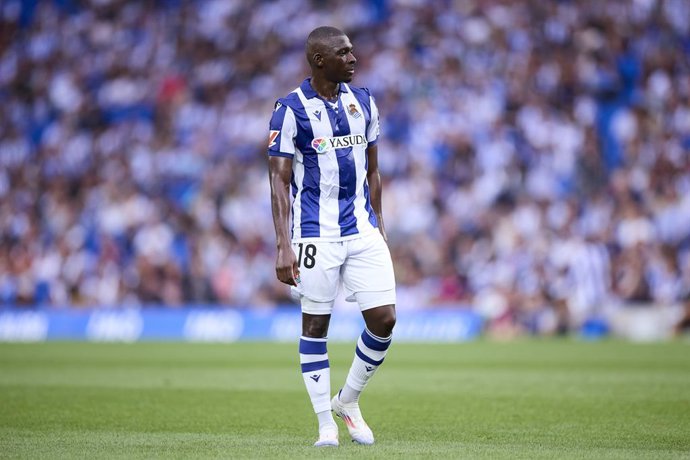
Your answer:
<point x="310" y="92"/>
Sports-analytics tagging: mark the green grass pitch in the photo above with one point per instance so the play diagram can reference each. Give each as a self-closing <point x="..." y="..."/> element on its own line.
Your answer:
<point x="519" y="400"/>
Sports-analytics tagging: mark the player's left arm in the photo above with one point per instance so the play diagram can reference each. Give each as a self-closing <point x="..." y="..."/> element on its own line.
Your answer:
<point x="373" y="175"/>
<point x="375" y="186"/>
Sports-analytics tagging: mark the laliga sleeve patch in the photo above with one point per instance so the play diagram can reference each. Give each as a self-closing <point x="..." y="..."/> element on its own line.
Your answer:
<point x="272" y="138"/>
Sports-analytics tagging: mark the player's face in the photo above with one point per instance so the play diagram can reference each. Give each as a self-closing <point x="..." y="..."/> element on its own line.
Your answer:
<point x="339" y="62"/>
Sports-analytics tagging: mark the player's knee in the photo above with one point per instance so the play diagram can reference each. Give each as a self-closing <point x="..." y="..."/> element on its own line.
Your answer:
<point x="381" y="320"/>
<point x="388" y="321"/>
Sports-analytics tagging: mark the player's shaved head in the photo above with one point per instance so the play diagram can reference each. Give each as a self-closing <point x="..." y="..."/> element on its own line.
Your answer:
<point x="318" y="39"/>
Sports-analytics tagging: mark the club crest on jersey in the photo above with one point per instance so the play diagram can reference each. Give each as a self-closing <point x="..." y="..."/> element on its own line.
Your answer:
<point x="354" y="113"/>
<point x="272" y="138"/>
<point x="326" y="144"/>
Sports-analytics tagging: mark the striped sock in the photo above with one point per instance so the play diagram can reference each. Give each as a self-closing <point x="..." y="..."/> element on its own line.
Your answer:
<point x="369" y="354"/>
<point x="316" y="372"/>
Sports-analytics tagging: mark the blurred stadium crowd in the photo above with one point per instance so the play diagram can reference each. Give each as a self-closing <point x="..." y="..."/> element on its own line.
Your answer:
<point x="535" y="154"/>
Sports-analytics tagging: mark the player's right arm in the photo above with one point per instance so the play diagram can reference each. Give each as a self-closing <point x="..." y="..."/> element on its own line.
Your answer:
<point x="281" y="151"/>
<point x="280" y="173"/>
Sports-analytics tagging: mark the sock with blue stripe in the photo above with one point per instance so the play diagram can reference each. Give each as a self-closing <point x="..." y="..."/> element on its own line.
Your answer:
<point x="369" y="354"/>
<point x="313" y="357"/>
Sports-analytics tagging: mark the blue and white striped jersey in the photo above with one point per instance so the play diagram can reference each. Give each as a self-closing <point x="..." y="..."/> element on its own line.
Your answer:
<point x="328" y="146"/>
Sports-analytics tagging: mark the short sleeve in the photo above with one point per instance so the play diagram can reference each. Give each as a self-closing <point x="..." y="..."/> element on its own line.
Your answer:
<point x="373" y="129"/>
<point x="282" y="132"/>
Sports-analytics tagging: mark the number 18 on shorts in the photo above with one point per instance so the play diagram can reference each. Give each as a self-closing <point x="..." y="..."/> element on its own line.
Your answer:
<point x="363" y="264"/>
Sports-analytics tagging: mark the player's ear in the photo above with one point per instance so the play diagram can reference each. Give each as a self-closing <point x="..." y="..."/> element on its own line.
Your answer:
<point x="317" y="59"/>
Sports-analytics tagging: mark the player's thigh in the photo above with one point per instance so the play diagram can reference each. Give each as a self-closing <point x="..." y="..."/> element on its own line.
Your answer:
<point x="319" y="269"/>
<point x="368" y="270"/>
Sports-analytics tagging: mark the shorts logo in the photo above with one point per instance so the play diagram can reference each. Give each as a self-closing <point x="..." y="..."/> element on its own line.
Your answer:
<point x="272" y="138"/>
<point x="325" y="144"/>
<point x="353" y="111"/>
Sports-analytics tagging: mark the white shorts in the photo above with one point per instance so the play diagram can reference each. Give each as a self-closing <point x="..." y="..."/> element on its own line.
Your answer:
<point x="363" y="265"/>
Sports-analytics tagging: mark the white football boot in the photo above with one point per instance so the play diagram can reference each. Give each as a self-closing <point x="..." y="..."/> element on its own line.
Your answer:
<point x="328" y="437"/>
<point x="352" y="416"/>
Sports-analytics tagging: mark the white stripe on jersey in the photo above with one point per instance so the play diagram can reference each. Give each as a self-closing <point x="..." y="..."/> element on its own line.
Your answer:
<point x="289" y="131"/>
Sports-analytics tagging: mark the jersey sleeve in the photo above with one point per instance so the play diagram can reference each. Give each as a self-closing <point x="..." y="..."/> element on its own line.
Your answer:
<point x="373" y="128"/>
<point x="282" y="132"/>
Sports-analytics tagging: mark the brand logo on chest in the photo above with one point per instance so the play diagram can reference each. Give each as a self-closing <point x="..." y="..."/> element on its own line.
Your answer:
<point x="326" y="144"/>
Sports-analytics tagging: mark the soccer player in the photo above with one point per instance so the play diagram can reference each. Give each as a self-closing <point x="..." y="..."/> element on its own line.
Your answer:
<point x="322" y="151"/>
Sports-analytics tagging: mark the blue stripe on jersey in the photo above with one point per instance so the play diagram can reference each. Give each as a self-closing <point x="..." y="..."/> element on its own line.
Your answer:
<point x="312" y="347"/>
<point x="311" y="189"/>
<point x="369" y="208"/>
<point x="367" y="202"/>
<point x="347" y="172"/>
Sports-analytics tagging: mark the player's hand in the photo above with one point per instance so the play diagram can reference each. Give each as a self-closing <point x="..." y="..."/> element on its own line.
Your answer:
<point x="286" y="266"/>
